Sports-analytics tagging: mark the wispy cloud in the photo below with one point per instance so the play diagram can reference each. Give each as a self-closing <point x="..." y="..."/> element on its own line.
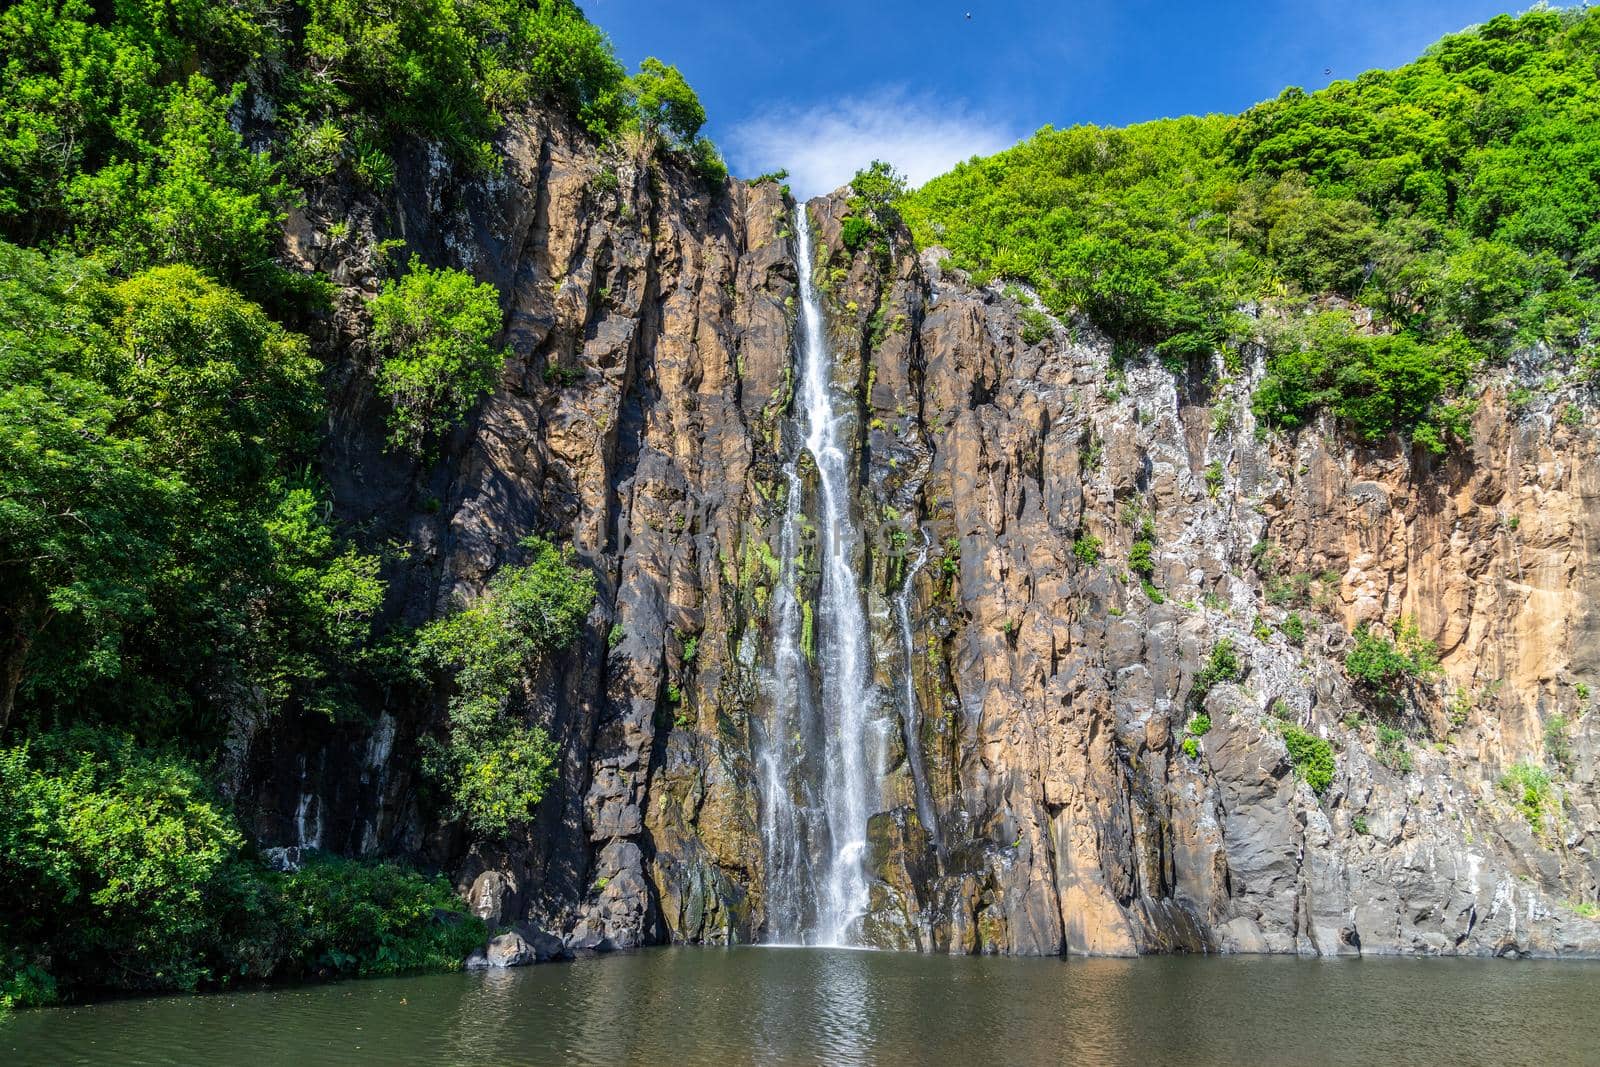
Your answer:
<point x="823" y="145"/>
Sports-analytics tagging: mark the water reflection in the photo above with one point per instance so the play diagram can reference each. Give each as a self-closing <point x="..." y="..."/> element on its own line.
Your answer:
<point x="821" y="1006"/>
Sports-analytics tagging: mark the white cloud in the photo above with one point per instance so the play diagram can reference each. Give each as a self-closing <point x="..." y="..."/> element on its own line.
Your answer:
<point x="823" y="145"/>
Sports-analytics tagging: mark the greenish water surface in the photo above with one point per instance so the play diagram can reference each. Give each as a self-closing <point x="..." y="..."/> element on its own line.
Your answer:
<point x="820" y="1006"/>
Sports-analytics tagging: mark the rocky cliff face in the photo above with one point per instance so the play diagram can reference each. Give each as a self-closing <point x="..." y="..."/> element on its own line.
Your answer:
<point x="1040" y="797"/>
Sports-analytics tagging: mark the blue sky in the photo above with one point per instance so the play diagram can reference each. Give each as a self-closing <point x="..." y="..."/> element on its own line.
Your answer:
<point x="823" y="88"/>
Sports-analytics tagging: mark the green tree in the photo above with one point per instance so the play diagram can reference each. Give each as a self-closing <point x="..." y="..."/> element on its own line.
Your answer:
<point x="664" y="103"/>
<point x="120" y="869"/>
<point x="494" y="767"/>
<point x="435" y="329"/>
<point x="1452" y="198"/>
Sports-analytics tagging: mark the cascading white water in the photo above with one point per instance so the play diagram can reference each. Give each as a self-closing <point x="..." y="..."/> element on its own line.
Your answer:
<point x="784" y="822"/>
<point x="816" y="754"/>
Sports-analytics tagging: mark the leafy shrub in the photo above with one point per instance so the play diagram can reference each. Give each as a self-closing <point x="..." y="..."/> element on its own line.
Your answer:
<point x="873" y="193"/>
<point x="1087" y="549"/>
<point x="1385" y="668"/>
<point x="89" y="821"/>
<point x="1393" y="751"/>
<point x="1529" y="788"/>
<point x="176" y="406"/>
<point x="435" y="328"/>
<point x="855" y="232"/>
<point x="1036" y="326"/>
<point x="1141" y="558"/>
<point x="494" y="768"/>
<point x="93" y="824"/>
<point x="1222" y="665"/>
<point x="1311" y="756"/>
<point x="1556" y="743"/>
<point x="345" y="918"/>
<point x="1375" y="383"/>
<point x="1191" y="747"/>
<point x="708" y="163"/>
<point x="1200" y="725"/>
<point x="1294" y="628"/>
<point x="663" y="103"/>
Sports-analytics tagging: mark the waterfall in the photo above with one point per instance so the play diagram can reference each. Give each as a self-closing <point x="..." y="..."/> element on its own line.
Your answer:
<point x="784" y="821"/>
<point x="817" y="752"/>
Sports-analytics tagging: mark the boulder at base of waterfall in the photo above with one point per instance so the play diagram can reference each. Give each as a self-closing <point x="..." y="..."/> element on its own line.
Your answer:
<point x="518" y="948"/>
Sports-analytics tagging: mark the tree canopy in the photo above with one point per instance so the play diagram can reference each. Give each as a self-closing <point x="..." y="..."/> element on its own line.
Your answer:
<point x="1457" y="199"/>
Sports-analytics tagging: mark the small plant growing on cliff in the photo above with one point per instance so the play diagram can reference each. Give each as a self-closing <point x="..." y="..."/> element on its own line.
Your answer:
<point x="1036" y="326"/>
<point x="1311" y="756"/>
<point x="1222" y="665"/>
<point x="1393" y="751"/>
<point x="1528" y="786"/>
<point x="1090" y="453"/>
<point x="1556" y="743"/>
<point x="1582" y="691"/>
<point x="1141" y="558"/>
<point x="1359" y="825"/>
<point x="1386" y="669"/>
<point x="434" y="328"/>
<point x="615" y="635"/>
<point x="562" y="377"/>
<point x="1294" y="628"/>
<point x="1213" y="478"/>
<point x="1155" y="595"/>
<point x="1200" y="725"/>
<point x="1191" y="747"/>
<point x="1087" y="549"/>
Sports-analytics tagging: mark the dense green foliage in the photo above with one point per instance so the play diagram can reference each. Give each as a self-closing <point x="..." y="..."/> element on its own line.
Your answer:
<point x="1528" y="785"/>
<point x="434" y="328"/>
<point x="120" y="870"/>
<point x="874" y="192"/>
<point x="1222" y="665"/>
<point x="154" y="542"/>
<point x="494" y="768"/>
<point x="1312" y="757"/>
<point x="169" y="557"/>
<point x="1457" y="199"/>
<point x="1386" y="668"/>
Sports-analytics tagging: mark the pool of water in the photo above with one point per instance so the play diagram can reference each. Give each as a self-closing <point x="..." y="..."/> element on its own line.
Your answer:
<point x="820" y="1006"/>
